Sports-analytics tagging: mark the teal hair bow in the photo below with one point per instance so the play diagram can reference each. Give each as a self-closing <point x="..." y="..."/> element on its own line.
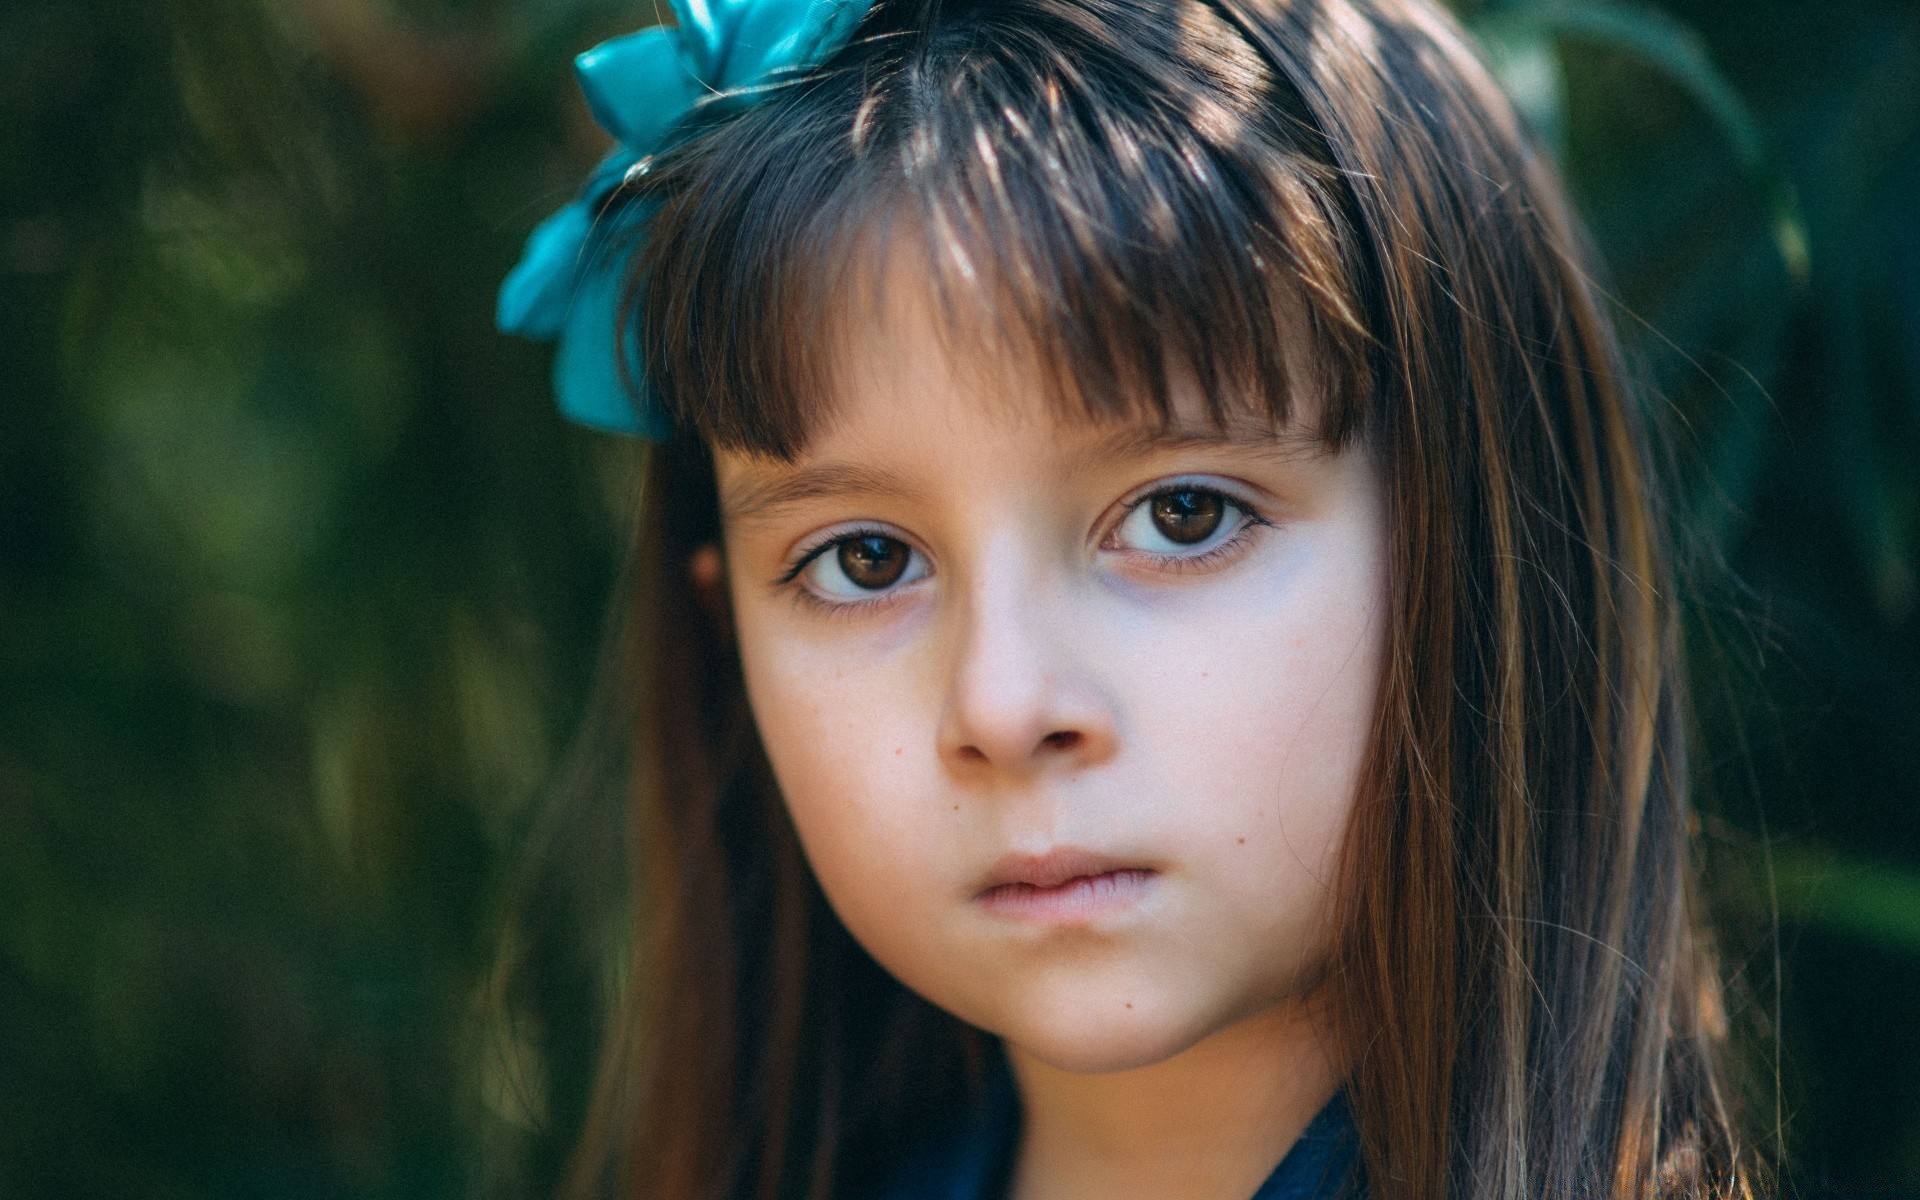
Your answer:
<point x="723" y="54"/>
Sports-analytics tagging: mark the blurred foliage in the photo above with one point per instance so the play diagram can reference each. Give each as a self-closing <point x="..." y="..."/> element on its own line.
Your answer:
<point x="303" y="583"/>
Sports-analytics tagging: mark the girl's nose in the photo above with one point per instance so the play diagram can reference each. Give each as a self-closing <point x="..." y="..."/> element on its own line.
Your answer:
<point x="1019" y="702"/>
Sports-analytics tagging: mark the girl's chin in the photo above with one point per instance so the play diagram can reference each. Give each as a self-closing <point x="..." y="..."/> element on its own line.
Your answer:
<point x="1099" y="1029"/>
<point x="1104" y="1036"/>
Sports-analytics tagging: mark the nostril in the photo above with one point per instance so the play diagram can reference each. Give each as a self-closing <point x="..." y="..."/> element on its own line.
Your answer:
<point x="1064" y="739"/>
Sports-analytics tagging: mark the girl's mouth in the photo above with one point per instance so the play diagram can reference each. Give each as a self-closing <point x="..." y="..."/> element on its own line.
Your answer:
<point x="1062" y="886"/>
<point x="1081" y="898"/>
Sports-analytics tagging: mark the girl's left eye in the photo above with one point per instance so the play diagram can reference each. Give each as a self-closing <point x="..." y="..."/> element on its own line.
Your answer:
<point x="860" y="566"/>
<point x="1185" y="521"/>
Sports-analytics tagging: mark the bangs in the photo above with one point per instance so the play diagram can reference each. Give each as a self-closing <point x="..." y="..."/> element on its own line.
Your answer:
<point x="1120" y="214"/>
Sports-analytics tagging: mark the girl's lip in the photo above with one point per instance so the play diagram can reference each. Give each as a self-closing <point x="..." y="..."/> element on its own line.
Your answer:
<point x="1063" y="884"/>
<point x="1079" y="898"/>
<point x="1050" y="869"/>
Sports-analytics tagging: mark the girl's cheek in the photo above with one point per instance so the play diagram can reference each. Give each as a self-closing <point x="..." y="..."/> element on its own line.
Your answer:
<point x="845" y="742"/>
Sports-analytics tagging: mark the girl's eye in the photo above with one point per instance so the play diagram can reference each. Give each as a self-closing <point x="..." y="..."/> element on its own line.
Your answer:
<point x="1187" y="517"/>
<point x="1181" y="522"/>
<point x="873" y="562"/>
<point x="855" y="567"/>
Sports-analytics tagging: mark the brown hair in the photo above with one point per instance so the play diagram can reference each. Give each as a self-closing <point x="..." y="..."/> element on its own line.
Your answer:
<point x="1130" y="187"/>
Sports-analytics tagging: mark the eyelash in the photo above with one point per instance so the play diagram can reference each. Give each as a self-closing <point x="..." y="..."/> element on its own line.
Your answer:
<point x="832" y="608"/>
<point x="1175" y="563"/>
<point x="1183" y="564"/>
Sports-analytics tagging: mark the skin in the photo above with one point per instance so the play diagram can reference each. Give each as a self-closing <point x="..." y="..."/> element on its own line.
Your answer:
<point x="1051" y="670"/>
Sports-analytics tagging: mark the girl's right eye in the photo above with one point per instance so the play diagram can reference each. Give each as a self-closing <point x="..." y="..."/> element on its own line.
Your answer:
<point x="859" y="567"/>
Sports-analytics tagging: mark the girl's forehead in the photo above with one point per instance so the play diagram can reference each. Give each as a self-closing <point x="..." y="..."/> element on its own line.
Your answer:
<point x="918" y="332"/>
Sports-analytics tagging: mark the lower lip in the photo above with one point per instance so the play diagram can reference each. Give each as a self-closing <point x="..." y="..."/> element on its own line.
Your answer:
<point x="1079" y="899"/>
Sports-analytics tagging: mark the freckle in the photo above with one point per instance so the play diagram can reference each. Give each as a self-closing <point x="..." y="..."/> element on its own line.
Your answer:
<point x="956" y="808"/>
<point x="1242" y="841"/>
<point x="1205" y="674"/>
<point x="899" y="750"/>
<point x="1129" y="1004"/>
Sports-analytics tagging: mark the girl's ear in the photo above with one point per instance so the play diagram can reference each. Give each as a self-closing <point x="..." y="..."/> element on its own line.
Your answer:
<point x="708" y="571"/>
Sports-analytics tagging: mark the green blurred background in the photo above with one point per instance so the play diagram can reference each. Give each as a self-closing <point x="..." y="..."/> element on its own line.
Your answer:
<point x="307" y="870"/>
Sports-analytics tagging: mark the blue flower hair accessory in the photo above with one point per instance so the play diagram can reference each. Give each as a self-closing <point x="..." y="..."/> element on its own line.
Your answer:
<point x="642" y="88"/>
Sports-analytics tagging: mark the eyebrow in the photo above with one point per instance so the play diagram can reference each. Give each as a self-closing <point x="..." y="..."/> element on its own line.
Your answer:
<point x="751" y="500"/>
<point x="1142" y="441"/>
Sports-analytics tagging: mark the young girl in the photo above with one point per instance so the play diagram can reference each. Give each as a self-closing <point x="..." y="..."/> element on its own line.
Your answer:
<point x="1157" y="655"/>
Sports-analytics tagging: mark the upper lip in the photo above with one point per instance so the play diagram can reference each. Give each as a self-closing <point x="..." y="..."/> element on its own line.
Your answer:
<point x="1052" y="868"/>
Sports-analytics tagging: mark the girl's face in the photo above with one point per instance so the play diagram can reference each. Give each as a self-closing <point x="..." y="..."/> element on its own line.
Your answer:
<point x="1069" y="716"/>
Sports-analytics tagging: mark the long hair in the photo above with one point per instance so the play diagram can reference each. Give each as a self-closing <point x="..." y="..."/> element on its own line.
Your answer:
<point x="1269" y="195"/>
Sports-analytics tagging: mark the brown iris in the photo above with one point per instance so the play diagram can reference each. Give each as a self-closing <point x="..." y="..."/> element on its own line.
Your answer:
<point x="1187" y="517"/>
<point x="873" y="562"/>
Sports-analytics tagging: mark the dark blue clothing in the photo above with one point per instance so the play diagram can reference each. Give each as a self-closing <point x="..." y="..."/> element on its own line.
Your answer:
<point x="975" y="1162"/>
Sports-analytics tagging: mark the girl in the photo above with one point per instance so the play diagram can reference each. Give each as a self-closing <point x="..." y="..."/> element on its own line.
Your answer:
<point x="1157" y="655"/>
